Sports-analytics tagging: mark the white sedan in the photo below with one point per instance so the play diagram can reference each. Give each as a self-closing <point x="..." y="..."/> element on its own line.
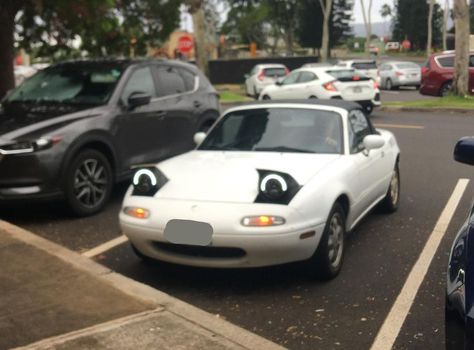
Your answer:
<point x="271" y="183"/>
<point x="326" y="83"/>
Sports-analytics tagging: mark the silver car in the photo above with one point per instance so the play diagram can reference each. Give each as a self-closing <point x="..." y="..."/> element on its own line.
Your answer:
<point x="396" y="74"/>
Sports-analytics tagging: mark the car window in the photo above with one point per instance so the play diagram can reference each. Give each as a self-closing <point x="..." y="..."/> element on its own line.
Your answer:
<point x="407" y="65"/>
<point x="291" y="78"/>
<point x="274" y="72"/>
<point x="446" y="61"/>
<point x="140" y="81"/>
<point x="471" y="61"/>
<point x="189" y="78"/>
<point x="306" y="76"/>
<point x="169" y="81"/>
<point x="364" y="65"/>
<point x="359" y="128"/>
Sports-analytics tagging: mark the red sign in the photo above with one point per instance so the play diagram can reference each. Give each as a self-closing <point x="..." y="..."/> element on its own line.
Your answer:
<point x="406" y="44"/>
<point x="185" y="44"/>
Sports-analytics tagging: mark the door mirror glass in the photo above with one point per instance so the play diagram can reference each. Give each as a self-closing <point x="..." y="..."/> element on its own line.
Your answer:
<point x="373" y="142"/>
<point x="464" y="150"/>
<point x="137" y="99"/>
<point x="199" y="137"/>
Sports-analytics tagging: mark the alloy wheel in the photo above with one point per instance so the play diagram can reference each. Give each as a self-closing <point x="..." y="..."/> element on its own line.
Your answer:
<point x="335" y="240"/>
<point x="90" y="182"/>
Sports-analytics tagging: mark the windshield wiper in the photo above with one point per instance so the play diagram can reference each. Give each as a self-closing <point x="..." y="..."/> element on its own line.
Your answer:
<point x="282" y="149"/>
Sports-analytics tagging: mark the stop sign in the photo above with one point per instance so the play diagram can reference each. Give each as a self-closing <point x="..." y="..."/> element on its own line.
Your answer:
<point x="185" y="44"/>
<point x="406" y="44"/>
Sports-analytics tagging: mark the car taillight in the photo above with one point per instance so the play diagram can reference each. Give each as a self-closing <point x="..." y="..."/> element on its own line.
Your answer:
<point x="355" y="78"/>
<point x="424" y="70"/>
<point x="330" y="86"/>
<point x="376" y="86"/>
<point x="261" y="75"/>
<point x="398" y="74"/>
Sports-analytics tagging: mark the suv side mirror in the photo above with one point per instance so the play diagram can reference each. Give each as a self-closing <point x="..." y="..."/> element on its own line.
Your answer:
<point x="464" y="150"/>
<point x="137" y="99"/>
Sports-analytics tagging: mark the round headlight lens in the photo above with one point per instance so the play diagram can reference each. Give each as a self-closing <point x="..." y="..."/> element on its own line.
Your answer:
<point x="144" y="181"/>
<point x="273" y="186"/>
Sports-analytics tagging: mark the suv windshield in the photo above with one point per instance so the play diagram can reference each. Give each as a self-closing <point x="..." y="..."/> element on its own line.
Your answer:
<point x="277" y="130"/>
<point x="79" y="84"/>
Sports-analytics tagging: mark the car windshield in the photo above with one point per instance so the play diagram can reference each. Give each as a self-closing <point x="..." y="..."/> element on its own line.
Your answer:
<point x="79" y="84"/>
<point x="277" y="130"/>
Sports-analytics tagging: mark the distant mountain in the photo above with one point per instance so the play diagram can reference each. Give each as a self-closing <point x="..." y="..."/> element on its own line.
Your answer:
<point x="378" y="28"/>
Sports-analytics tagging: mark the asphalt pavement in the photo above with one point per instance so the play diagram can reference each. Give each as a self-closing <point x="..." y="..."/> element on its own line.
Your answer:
<point x="282" y="303"/>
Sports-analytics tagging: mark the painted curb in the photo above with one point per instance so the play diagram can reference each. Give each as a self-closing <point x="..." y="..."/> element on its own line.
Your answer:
<point x="424" y="110"/>
<point x="143" y="292"/>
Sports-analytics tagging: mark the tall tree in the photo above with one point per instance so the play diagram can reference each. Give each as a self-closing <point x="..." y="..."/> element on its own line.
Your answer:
<point x="368" y="24"/>
<point x="461" y="60"/>
<point x="283" y="15"/>
<point x="340" y="25"/>
<point x="445" y="24"/>
<point x="326" y="7"/>
<point x="429" y="42"/>
<point x="197" y="11"/>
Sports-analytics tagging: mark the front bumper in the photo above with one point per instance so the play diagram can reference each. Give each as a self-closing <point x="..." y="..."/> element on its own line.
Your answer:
<point x="232" y="245"/>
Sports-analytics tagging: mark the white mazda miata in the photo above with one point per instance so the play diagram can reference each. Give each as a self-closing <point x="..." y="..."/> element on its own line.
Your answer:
<point x="271" y="183"/>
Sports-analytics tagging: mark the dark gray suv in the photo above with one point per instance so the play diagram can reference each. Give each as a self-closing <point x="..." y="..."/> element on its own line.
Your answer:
<point x="76" y="128"/>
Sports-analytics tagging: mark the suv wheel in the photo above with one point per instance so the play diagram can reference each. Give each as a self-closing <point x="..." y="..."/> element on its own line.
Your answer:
<point x="446" y="89"/>
<point x="88" y="182"/>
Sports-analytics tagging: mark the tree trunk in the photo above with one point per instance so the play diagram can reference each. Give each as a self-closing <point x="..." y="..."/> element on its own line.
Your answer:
<point x="7" y="23"/>
<point x="289" y="41"/>
<point x="445" y="25"/>
<point x="197" y="12"/>
<point x="367" y="17"/>
<point x="325" y="37"/>
<point x="461" y="61"/>
<point x="429" y="42"/>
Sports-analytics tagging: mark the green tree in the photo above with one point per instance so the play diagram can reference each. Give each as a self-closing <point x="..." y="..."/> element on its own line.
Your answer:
<point x="410" y="22"/>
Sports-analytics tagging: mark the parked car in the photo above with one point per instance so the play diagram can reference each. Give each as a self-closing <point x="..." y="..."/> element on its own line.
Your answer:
<point x="263" y="75"/>
<point x="75" y="128"/>
<point x="22" y="73"/>
<point x="396" y="74"/>
<point x="438" y="71"/>
<point x="366" y="67"/>
<point x="392" y="46"/>
<point x="325" y="83"/>
<point x="460" y="276"/>
<point x="318" y="64"/>
<point x="272" y="183"/>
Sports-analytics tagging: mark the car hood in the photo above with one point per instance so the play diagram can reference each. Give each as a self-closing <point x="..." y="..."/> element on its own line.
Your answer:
<point x="21" y="119"/>
<point x="232" y="176"/>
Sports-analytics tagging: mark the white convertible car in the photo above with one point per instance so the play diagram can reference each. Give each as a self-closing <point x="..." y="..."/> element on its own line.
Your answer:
<point x="271" y="183"/>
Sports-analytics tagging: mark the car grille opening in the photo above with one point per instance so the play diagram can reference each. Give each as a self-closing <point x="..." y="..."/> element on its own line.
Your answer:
<point x="200" y="251"/>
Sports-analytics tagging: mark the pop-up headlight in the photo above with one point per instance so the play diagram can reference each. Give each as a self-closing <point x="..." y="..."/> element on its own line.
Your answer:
<point x="147" y="181"/>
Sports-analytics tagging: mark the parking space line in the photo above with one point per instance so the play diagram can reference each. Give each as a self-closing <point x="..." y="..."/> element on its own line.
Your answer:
<point x="399" y="126"/>
<point x="105" y="246"/>
<point x="390" y="329"/>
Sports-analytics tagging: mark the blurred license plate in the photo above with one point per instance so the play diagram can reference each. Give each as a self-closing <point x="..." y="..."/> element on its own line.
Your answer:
<point x="357" y="90"/>
<point x="188" y="232"/>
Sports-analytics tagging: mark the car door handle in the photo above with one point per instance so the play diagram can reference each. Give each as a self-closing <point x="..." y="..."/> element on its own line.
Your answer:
<point x="197" y="104"/>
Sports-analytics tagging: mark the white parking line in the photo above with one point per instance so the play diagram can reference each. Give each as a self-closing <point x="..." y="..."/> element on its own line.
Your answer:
<point x="393" y="323"/>
<point x="105" y="246"/>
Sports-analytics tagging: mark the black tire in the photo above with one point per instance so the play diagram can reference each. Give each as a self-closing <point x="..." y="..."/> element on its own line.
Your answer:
<point x="88" y="182"/>
<point x="255" y="93"/>
<point x="266" y="97"/>
<point x="445" y="89"/>
<point x="326" y="262"/>
<point x="417" y="87"/>
<point x="392" y="199"/>
<point x="388" y="84"/>
<point x="369" y="109"/>
<point x="312" y="97"/>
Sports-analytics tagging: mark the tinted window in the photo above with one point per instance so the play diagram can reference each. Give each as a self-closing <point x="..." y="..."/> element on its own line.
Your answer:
<point x="277" y="130"/>
<point x="359" y="128"/>
<point x="306" y="76"/>
<point x="70" y="84"/>
<point x="169" y="81"/>
<point x="274" y="72"/>
<point x="364" y="65"/>
<point x="407" y="65"/>
<point x="140" y="81"/>
<point x="188" y="77"/>
<point x="446" y="61"/>
<point x="347" y="75"/>
<point x="291" y="78"/>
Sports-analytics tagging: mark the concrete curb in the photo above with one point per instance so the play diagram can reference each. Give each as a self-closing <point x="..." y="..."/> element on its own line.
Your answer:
<point x="143" y="292"/>
<point x="425" y="110"/>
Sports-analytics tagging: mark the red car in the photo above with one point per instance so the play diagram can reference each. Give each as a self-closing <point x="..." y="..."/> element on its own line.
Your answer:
<point x="437" y="74"/>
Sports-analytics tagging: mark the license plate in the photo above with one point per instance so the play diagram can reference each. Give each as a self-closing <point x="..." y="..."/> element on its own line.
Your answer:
<point x="357" y="90"/>
<point x="188" y="232"/>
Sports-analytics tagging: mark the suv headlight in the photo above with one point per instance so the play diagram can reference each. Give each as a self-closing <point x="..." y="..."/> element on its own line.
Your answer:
<point x="20" y="147"/>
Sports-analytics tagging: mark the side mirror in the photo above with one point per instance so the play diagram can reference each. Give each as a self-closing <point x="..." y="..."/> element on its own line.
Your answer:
<point x="199" y="137"/>
<point x="373" y="142"/>
<point x="279" y="82"/>
<point x="464" y="150"/>
<point x="137" y="99"/>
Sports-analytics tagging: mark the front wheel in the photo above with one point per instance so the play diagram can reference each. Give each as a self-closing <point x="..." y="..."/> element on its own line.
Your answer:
<point x="392" y="198"/>
<point x="88" y="182"/>
<point x="327" y="261"/>
<point x="266" y="97"/>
